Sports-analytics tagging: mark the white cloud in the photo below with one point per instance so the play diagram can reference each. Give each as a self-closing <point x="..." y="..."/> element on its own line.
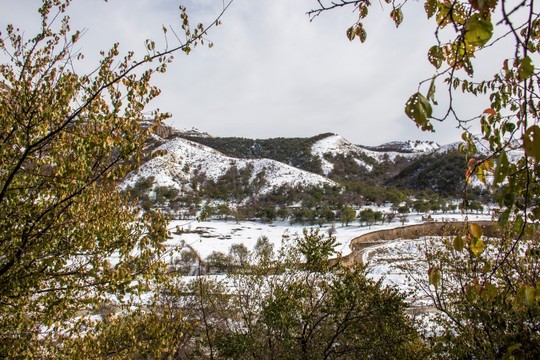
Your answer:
<point x="272" y="72"/>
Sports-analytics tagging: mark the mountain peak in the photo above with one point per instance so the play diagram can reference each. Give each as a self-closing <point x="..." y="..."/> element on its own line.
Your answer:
<point x="194" y="132"/>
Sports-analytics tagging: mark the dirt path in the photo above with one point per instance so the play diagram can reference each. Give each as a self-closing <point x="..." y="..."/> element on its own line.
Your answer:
<point x="361" y="243"/>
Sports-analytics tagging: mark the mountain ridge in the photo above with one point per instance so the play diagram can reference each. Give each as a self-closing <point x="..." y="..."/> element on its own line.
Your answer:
<point x="318" y="173"/>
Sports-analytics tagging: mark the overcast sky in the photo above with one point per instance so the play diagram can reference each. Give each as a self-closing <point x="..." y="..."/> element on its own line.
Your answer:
<point x="272" y="72"/>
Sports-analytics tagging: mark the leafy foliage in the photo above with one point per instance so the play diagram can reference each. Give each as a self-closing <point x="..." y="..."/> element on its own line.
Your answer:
<point x="485" y="289"/>
<point x="478" y="297"/>
<point x="279" y="310"/>
<point x="69" y="241"/>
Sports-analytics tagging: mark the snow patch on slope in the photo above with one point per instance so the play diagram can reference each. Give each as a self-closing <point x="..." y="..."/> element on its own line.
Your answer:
<point x="409" y="146"/>
<point x="483" y="149"/>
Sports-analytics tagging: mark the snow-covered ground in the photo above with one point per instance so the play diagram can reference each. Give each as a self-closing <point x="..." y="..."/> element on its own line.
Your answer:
<point x="384" y="261"/>
<point x="219" y="235"/>
<point x="391" y="261"/>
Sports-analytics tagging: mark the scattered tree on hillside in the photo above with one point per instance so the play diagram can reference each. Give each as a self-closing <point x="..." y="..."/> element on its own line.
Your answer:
<point x="347" y="215"/>
<point x="263" y="248"/>
<point x="420" y="206"/>
<point x="239" y="255"/>
<point x="390" y="216"/>
<point x="369" y="217"/>
<point x="404" y="209"/>
<point x="292" y="151"/>
<point x="218" y="262"/>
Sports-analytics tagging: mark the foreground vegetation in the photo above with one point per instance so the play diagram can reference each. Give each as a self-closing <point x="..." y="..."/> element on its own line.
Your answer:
<point x="294" y="304"/>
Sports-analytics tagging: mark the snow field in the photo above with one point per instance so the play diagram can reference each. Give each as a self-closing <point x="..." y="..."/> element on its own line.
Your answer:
<point x="218" y="235"/>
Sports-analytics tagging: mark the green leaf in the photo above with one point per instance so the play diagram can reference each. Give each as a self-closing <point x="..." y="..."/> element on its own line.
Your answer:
<point x="526" y="68"/>
<point x="431" y="91"/>
<point x="483" y="6"/>
<point x="436" y="56"/>
<point x="431" y="7"/>
<point x="489" y="292"/>
<point x="509" y="127"/>
<point x="509" y="199"/>
<point x="478" y="30"/>
<point x="350" y="34"/>
<point x="531" y="142"/>
<point x="419" y="110"/>
<point x="501" y="169"/>
<point x="458" y="243"/>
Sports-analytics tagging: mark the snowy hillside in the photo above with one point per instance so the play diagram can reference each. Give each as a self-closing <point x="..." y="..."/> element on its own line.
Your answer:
<point x="483" y="150"/>
<point x="335" y="144"/>
<point x="410" y="146"/>
<point x="238" y="170"/>
<point x="185" y="160"/>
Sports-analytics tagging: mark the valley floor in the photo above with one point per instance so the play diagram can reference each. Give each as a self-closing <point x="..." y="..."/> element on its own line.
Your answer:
<point x="218" y="235"/>
<point x="386" y="261"/>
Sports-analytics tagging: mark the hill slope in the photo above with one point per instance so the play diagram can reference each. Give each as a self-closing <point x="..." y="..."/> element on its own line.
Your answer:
<point x="260" y="181"/>
<point x="187" y="164"/>
<point x="292" y="151"/>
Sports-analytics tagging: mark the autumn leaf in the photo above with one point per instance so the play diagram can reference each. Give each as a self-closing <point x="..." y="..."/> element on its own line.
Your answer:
<point x="458" y="243"/>
<point x="477" y="246"/>
<point x="436" y="56"/>
<point x="397" y="16"/>
<point x="476" y="230"/>
<point x="434" y="274"/>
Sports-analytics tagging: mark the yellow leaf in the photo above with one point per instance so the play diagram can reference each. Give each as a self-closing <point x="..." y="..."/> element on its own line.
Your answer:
<point x="477" y="246"/>
<point x="476" y="230"/>
<point x="480" y="174"/>
<point x="529" y="297"/>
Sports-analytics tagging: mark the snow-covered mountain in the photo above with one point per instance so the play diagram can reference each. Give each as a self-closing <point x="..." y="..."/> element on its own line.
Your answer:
<point x="410" y="146"/>
<point x="514" y="152"/>
<point x="184" y="160"/>
<point x="367" y="156"/>
<point x="195" y="159"/>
